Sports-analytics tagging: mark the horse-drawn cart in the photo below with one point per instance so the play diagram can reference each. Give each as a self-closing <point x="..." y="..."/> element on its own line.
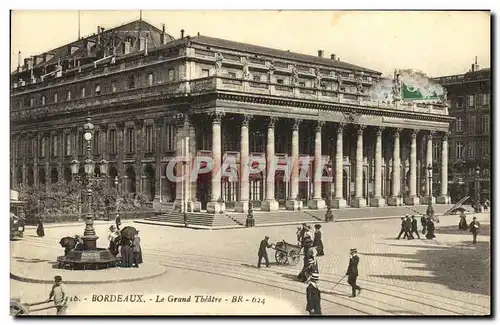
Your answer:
<point x="22" y="309"/>
<point x="286" y="253"/>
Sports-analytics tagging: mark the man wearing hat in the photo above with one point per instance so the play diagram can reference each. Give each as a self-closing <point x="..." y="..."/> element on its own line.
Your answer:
<point x="58" y="294"/>
<point x="313" y="295"/>
<point x="414" y="227"/>
<point x="474" y="229"/>
<point x="352" y="272"/>
<point x="318" y="242"/>
<point x="264" y="245"/>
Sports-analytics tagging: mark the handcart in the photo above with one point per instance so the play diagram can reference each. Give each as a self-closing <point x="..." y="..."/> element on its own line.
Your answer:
<point x="286" y="253"/>
<point x="23" y="309"/>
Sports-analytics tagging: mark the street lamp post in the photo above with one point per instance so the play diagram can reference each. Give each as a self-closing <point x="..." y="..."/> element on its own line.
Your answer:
<point x="329" y="214"/>
<point x="478" y="190"/>
<point x="116" y="197"/>
<point x="430" y="209"/>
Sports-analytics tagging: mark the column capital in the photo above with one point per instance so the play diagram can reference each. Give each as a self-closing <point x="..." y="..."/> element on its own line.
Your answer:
<point x="246" y="119"/>
<point x="216" y="117"/>
<point x="398" y="131"/>
<point x="431" y="134"/>
<point x="446" y="135"/>
<point x="414" y="133"/>
<point x="296" y="124"/>
<point x="340" y="127"/>
<point x="380" y="129"/>
<point x="272" y="122"/>
<point x="360" y="128"/>
<point x="179" y="119"/>
<point x="319" y="125"/>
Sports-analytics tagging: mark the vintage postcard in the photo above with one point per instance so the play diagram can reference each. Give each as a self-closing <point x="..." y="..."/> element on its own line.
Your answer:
<point x="250" y="163"/>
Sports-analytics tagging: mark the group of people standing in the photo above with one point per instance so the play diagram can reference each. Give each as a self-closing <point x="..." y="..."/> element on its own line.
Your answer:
<point x="128" y="250"/>
<point x="409" y="226"/>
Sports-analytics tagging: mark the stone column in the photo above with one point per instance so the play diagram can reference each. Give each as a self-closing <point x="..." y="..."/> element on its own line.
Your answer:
<point x="270" y="204"/>
<point x="214" y="206"/>
<point x="444" y="198"/>
<point x="395" y="200"/>
<point x="292" y="202"/>
<point x="193" y="188"/>
<point x="359" y="201"/>
<point x="158" y="130"/>
<point x="242" y="204"/>
<point x="413" y="199"/>
<point x="339" y="201"/>
<point x="180" y="186"/>
<point x="428" y="161"/>
<point x="317" y="202"/>
<point x="378" y="200"/>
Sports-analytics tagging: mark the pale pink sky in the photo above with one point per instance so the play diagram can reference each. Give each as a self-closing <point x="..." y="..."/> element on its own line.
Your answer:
<point x="437" y="43"/>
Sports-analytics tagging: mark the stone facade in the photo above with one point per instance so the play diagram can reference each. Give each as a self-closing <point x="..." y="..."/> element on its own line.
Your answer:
<point x="201" y="96"/>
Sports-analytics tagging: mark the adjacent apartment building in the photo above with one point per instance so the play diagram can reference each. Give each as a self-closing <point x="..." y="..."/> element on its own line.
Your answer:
<point x="469" y="100"/>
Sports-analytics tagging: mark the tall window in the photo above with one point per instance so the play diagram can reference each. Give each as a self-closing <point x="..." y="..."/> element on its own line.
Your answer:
<point x="229" y="190"/>
<point x="485" y="148"/>
<point x="256" y="190"/>
<point x="149" y="138"/>
<point x="32" y="102"/>
<point x="170" y="137"/>
<point x="67" y="144"/>
<point x="460" y="102"/>
<point x="130" y="140"/>
<point x="436" y="150"/>
<point x="41" y="150"/>
<point x="54" y="145"/>
<point x="472" y="124"/>
<point x="80" y="143"/>
<point x="96" y="148"/>
<point x="83" y="92"/>
<point x="472" y="149"/>
<point x="68" y="95"/>
<point x="459" y="150"/>
<point x="113" y="86"/>
<point x="43" y="100"/>
<point x="97" y="89"/>
<point x="131" y="82"/>
<point x="471" y="100"/>
<point x="112" y="141"/>
<point x="485" y="123"/>
<point x="485" y="99"/>
<point x="460" y="124"/>
<point x="55" y="98"/>
<point x="171" y="75"/>
<point x="30" y="146"/>
<point x="150" y="79"/>
<point x="257" y="142"/>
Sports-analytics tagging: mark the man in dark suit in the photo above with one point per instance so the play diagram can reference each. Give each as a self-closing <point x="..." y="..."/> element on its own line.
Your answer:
<point x="423" y="222"/>
<point x="264" y="245"/>
<point x="414" y="226"/>
<point x="352" y="272"/>
<point x="313" y="295"/>
<point x="474" y="229"/>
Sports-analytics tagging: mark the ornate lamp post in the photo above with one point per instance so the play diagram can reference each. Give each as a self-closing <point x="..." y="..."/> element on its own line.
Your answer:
<point x="478" y="189"/>
<point x="90" y="256"/>
<point x="329" y="214"/>
<point x="430" y="209"/>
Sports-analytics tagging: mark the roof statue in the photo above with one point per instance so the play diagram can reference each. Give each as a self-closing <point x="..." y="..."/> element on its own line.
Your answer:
<point x="218" y="63"/>
<point x="359" y="85"/>
<point x="270" y="72"/>
<point x="246" y="69"/>
<point x="295" y="75"/>
<point x="318" y="77"/>
<point x="397" y="86"/>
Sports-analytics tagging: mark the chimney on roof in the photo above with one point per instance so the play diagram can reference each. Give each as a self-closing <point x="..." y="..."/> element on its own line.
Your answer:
<point x="182" y="33"/>
<point x="475" y="66"/>
<point x="162" y="35"/>
<point x="198" y="33"/>
<point x="338" y="59"/>
<point x="320" y="53"/>
<point x="333" y="57"/>
<point x="19" y="61"/>
<point x="98" y="34"/>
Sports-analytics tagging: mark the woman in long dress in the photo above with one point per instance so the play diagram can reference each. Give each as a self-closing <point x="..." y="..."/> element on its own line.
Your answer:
<point x="126" y="253"/>
<point x="318" y="243"/>
<point x="39" y="229"/>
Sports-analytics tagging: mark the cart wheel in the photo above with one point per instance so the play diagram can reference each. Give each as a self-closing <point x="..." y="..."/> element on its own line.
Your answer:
<point x="294" y="257"/>
<point x="281" y="257"/>
<point x="17" y="309"/>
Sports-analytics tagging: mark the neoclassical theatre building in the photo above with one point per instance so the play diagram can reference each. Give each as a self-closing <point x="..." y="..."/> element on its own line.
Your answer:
<point x="146" y="91"/>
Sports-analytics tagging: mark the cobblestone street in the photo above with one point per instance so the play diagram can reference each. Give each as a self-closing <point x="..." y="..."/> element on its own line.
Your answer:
<point x="445" y="276"/>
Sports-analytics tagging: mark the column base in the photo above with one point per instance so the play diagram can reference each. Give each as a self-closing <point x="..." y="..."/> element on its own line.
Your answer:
<point x="196" y="206"/>
<point x="216" y="207"/>
<point x="412" y="200"/>
<point x="359" y="202"/>
<point x="394" y="201"/>
<point x="339" y="203"/>
<point x="270" y="205"/>
<point x="443" y="199"/>
<point x="425" y="200"/>
<point x="377" y="202"/>
<point x="294" y="205"/>
<point x="241" y="206"/>
<point x="316" y="204"/>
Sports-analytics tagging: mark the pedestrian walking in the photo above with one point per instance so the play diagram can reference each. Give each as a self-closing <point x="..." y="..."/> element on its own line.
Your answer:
<point x="40" y="231"/>
<point x="118" y="222"/>
<point x="264" y="245"/>
<point x="317" y="242"/>
<point x="59" y="294"/>
<point x="313" y="295"/>
<point x="136" y="250"/>
<point x="352" y="272"/>
<point x="423" y="222"/>
<point x="430" y="229"/>
<point x="462" y="224"/>
<point x="402" y="228"/>
<point x="414" y="227"/>
<point x="474" y="229"/>
<point x="408" y="234"/>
